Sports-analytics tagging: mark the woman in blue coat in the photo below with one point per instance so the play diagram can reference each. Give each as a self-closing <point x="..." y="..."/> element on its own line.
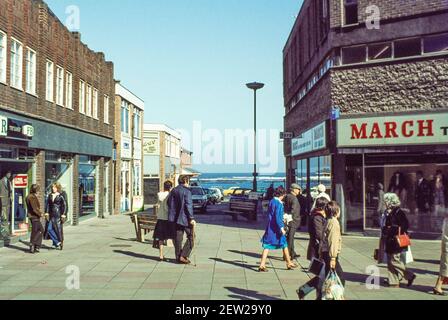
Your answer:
<point x="275" y="235"/>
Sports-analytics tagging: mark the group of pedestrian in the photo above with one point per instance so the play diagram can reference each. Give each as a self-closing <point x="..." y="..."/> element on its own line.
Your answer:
<point x="175" y="218"/>
<point x="55" y="215"/>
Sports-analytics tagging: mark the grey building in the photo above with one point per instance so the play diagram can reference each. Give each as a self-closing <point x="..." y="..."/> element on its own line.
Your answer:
<point x="365" y="93"/>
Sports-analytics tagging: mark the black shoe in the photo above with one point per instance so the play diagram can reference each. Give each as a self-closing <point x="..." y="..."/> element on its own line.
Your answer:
<point x="301" y="294"/>
<point x="411" y="281"/>
<point x="37" y="249"/>
<point x="32" y="249"/>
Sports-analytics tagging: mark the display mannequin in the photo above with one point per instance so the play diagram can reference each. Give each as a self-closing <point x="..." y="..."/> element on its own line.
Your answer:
<point x="397" y="185"/>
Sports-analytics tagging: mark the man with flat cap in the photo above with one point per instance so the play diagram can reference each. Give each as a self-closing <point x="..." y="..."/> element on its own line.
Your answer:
<point x="292" y="209"/>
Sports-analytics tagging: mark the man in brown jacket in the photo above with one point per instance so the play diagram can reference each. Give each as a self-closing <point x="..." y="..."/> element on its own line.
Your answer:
<point x="35" y="214"/>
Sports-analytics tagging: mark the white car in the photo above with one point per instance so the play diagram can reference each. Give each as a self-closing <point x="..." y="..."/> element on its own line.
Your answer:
<point x="218" y="192"/>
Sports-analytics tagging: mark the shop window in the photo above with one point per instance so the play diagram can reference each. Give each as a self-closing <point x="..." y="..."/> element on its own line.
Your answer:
<point x="352" y="55"/>
<point x="87" y="189"/>
<point x="423" y="201"/>
<point x="302" y="173"/>
<point x="380" y="51"/>
<point x="408" y="48"/>
<point x="350" y="12"/>
<point x="438" y="43"/>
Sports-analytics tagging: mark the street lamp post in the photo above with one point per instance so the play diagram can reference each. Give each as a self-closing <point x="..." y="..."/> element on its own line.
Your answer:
<point x="255" y="86"/>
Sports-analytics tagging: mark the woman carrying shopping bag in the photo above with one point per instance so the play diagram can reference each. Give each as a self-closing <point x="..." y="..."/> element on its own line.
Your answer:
<point x="395" y="231"/>
<point x="331" y="245"/>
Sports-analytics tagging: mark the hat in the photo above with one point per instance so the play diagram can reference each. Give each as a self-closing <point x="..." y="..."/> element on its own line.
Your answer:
<point x="295" y="186"/>
<point x="321" y="188"/>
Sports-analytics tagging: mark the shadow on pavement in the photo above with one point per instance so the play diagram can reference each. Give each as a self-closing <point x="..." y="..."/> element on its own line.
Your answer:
<point x="254" y="255"/>
<point x="129" y="239"/>
<point x="244" y="294"/>
<point x="142" y="256"/>
<point x="238" y="264"/>
<point x="437" y="262"/>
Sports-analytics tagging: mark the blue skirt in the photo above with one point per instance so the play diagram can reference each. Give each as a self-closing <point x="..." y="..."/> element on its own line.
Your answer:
<point x="274" y="247"/>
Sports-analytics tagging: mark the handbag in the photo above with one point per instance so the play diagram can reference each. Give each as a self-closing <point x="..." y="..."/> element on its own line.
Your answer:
<point x="403" y="240"/>
<point x="316" y="267"/>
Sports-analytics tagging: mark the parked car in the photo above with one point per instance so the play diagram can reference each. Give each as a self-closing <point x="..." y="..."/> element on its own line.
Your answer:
<point x="212" y="196"/>
<point x="200" y="200"/>
<point x="218" y="193"/>
<point x="229" y="191"/>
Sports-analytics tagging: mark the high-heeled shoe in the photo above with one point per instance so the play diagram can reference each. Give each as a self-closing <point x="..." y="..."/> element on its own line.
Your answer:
<point x="263" y="269"/>
<point x="438" y="293"/>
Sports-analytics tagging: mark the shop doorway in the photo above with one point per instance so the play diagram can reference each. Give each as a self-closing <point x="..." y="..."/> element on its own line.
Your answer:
<point x="106" y="191"/>
<point x="354" y="194"/>
<point x="14" y="206"/>
<point x="59" y="169"/>
<point x="88" y="189"/>
<point x="125" y="186"/>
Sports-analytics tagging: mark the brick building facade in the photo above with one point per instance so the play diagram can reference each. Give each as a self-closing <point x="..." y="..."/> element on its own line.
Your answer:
<point x="343" y="76"/>
<point x="56" y="97"/>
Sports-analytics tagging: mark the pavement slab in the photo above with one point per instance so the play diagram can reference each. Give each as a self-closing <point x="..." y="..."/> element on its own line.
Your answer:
<point x="112" y="265"/>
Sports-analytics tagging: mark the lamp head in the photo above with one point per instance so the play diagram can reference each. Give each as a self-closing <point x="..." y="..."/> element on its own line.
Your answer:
<point x="255" y="85"/>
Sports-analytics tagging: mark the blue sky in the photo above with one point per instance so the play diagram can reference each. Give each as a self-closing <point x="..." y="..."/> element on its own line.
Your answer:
<point x="189" y="60"/>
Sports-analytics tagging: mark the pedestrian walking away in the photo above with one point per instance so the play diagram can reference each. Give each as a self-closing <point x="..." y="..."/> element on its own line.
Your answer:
<point x="164" y="230"/>
<point x="292" y="209"/>
<point x="275" y="235"/>
<point x="331" y="245"/>
<point x="55" y="214"/>
<point x="396" y="223"/>
<point x="443" y="275"/>
<point x="180" y="207"/>
<point x="316" y="228"/>
<point x="35" y="214"/>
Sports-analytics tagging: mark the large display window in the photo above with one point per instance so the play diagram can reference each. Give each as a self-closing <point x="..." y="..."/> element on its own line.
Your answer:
<point x="422" y="189"/>
<point x="88" y="189"/>
<point x="59" y="168"/>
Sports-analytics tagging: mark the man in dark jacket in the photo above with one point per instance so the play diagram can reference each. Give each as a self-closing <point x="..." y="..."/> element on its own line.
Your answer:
<point x="180" y="207"/>
<point x="292" y="208"/>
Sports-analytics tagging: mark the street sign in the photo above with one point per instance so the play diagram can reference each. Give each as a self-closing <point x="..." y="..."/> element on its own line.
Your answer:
<point x="286" y="135"/>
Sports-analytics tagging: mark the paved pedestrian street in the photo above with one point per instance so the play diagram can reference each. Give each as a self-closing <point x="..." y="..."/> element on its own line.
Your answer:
<point x="114" y="266"/>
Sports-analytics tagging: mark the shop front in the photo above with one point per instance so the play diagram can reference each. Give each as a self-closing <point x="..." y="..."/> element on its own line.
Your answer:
<point x="406" y="154"/>
<point x="311" y="159"/>
<point x="137" y="179"/>
<point x="125" y="173"/>
<point x="17" y="170"/>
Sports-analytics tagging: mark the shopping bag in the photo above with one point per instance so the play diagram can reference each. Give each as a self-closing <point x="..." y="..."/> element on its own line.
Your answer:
<point x="316" y="267"/>
<point x="406" y="256"/>
<point x="445" y="280"/>
<point x="308" y="287"/>
<point x="332" y="288"/>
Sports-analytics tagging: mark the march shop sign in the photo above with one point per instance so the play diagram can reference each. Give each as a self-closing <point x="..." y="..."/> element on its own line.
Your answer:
<point x="311" y="140"/>
<point x="416" y="129"/>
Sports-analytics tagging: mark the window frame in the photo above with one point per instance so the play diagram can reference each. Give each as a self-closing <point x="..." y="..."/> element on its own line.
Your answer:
<point x="95" y="103"/>
<point x="344" y="13"/>
<point x="3" y="60"/>
<point x="406" y="39"/>
<point x="19" y="85"/>
<point x="60" y="87"/>
<point x="33" y="71"/>
<point x="106" y="103"/>
<point x="82" y="97"/>
<point x="89" y="100"/>
<point x="68" y="90"/>
<point x="49" y="83"/>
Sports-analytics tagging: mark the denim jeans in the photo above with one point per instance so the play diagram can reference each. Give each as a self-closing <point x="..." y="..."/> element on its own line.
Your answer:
<point x="53" y="235"/>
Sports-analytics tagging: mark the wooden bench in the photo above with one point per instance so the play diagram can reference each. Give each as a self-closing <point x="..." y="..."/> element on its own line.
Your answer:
<point x="247" y="208"/>
<point x="144" y="223"/>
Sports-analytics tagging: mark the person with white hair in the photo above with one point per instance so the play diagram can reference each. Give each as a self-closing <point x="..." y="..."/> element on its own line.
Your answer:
<point x="395" y="224"/>
<point x="322" y="193"/>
